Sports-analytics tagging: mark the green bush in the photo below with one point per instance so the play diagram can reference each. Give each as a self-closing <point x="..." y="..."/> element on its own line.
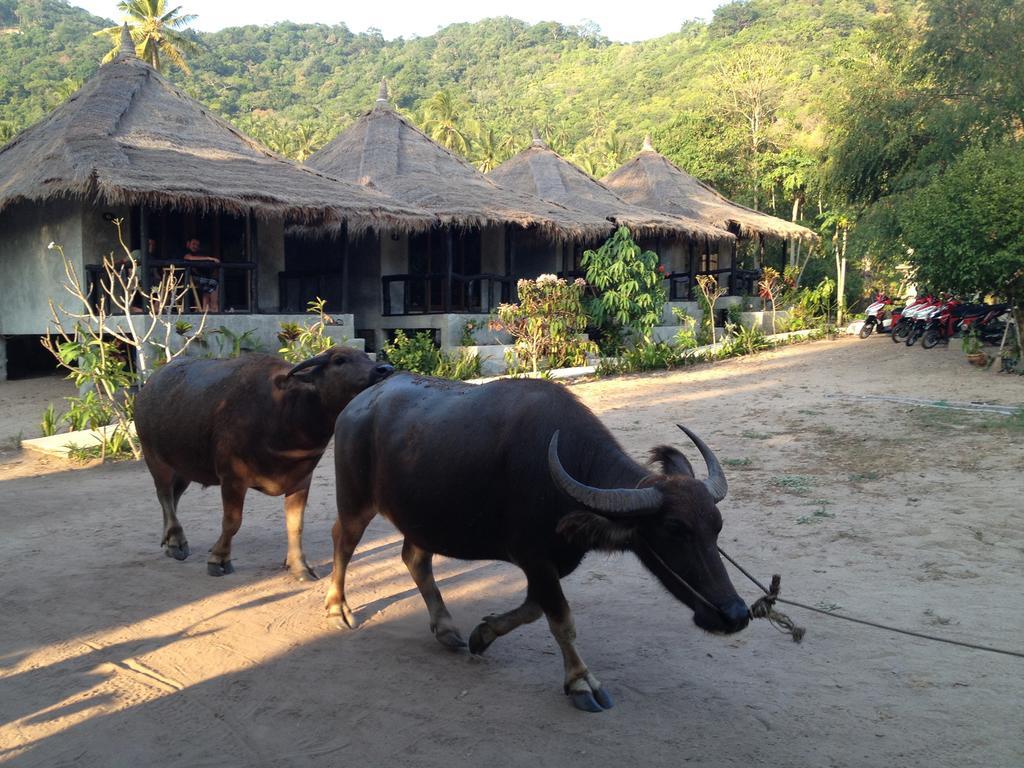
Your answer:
<point x="301" y="342"/>
<point x="418" y="354"/>
<point x="630" y="289"/>
<point x="742" y="341"/>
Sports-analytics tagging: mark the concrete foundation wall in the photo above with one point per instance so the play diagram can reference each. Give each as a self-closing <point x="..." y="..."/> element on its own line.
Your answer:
<point x="31" y="275"/>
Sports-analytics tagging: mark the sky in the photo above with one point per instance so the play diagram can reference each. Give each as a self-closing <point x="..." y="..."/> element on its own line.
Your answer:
<point x="619" y="21"/>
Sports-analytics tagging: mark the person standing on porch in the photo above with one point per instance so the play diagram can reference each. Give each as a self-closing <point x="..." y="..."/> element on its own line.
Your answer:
<point x="204" y="280"/>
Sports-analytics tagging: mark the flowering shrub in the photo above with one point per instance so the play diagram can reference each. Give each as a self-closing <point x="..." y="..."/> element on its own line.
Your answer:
<point x="546" y="324"/>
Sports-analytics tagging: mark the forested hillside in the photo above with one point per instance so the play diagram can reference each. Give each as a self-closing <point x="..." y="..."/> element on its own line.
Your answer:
<point x="832" y="112"/>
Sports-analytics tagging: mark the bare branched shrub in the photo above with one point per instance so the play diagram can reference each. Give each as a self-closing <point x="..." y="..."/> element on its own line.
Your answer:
<point x="113" y="340"/>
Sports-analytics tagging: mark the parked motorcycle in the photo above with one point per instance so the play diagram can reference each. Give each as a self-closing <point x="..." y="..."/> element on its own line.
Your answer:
<point x="876" y="316"/>
<point x="923" y="318"/>
<point x="990" y="324"/>
<point x="948" y="323"/>
<point x="903" y="319"/>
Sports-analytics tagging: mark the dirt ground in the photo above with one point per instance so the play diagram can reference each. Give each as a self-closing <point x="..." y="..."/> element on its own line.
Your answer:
<point x="112" y="654"/>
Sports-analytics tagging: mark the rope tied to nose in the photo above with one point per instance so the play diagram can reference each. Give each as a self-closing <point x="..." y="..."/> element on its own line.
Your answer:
<point x="764" y="608"/>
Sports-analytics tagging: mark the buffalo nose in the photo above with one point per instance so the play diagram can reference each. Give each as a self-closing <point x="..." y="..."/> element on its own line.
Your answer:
<point x="385" y="370"/>
<point x="736" y="613"/>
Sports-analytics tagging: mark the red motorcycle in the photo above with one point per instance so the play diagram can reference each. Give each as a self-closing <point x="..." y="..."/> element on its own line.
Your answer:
<point x="903" y="319"/>
<point x="989" y="324"/>
<point x="946" y="323"/>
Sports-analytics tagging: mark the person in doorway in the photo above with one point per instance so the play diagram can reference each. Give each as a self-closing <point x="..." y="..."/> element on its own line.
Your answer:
<point x="205" y="280"/>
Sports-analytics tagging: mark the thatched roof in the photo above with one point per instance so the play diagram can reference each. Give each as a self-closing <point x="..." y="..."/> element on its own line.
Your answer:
<point x="130" y="137"/>
<point x="387" y="151"/>
<point x="541" y="171"/>
<point x="651" y="180"/>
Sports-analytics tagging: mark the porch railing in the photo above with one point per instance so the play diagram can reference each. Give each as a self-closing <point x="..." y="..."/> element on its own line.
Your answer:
<point x="738" y="282"/>
<point x="440" y="293"/>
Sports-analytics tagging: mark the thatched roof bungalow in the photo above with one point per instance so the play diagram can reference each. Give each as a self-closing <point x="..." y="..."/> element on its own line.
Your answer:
<point x="131" y="145"/>
<point x="677" y="239"/>
<point x="651" y="180"/>
<point x="487" y="235"/>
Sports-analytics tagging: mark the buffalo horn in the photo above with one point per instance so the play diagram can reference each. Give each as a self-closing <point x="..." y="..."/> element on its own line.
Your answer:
<point x="317" y="360"/>
<point x="610" y="502"/>
<point x="716" y="483"/>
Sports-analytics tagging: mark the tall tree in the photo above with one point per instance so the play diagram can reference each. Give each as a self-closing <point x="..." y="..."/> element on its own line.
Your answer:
<point x="965" y="229"/>
<point x="158" y="33"/>
<point x="750" y="89"/>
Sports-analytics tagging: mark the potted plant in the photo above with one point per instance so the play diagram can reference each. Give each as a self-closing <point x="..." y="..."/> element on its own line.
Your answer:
<point x="972" y="348"/>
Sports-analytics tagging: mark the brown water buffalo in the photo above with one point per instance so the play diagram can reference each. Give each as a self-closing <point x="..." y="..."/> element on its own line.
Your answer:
<point x="521" y="471"/>
<point x="251" y="422"/>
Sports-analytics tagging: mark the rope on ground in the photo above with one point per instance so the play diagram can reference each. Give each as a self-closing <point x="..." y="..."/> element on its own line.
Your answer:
<point x="764" y="608"/>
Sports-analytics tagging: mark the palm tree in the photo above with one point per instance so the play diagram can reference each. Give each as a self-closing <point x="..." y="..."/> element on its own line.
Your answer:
<point x="488" y="151"/>
<point x="441" y="122"/>
<point x="156" y="32"/>
<point x="308" y="138"/>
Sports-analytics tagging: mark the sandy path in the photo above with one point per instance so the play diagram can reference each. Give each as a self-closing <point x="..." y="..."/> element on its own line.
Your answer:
<point x="112" y="654"/>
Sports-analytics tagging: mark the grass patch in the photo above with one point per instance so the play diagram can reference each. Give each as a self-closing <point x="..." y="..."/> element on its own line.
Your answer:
<point x="939" y="419"/>
<point x="815" y="517"/>
<point x="857" y="477"/>
<point x="744" y="462"/>
<point x="11" y="443"/>
<point x="794" y="483"/>
<point x="751" y="434"/>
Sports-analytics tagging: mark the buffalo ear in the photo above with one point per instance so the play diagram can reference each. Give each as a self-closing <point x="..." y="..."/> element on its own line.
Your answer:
<point x="592" y="531"/>
<point x="672" y="461"/>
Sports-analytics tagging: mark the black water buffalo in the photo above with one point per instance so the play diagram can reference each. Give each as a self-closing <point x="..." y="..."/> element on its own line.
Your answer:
<point x="521" y="471"/>
<point x="252" y="422"/>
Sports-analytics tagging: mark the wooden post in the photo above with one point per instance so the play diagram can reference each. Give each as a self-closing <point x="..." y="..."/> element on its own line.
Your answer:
<point x="344" y="269"/>
<point x="250" y="256"/>
<point x="144" y="248"/>
<point x="448" y="259"/>
<point x="841" y="297"/>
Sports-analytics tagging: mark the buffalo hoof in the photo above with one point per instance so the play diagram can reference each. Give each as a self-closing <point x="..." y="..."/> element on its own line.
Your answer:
<point x="602" y="697"/>
<point x="177" y="551"/>
<point x="220" y="569"/>
<point x="588" y="695"/>
<point x="585" y="701"/>
<point x="302" y="571"/>
<point x="342" y="616"/>
<point x="481" y="638"/>
<point x="449" y="637"/>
